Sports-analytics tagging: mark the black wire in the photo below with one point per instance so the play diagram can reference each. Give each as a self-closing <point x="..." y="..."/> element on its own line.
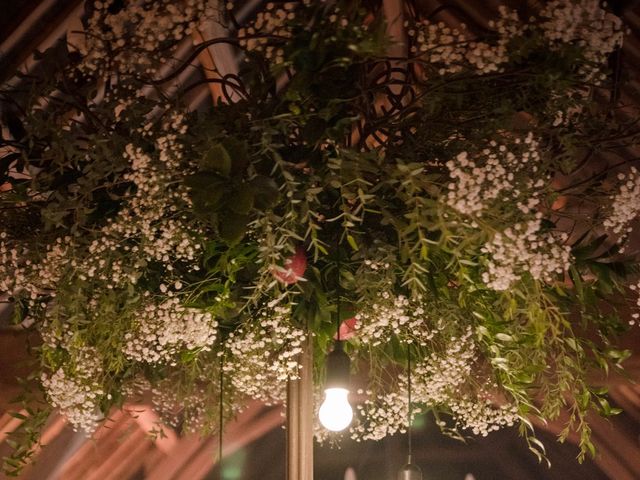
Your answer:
<point x="220" y="415"/>
<point x="339" y="288"/>
<point x="409" y="409"/>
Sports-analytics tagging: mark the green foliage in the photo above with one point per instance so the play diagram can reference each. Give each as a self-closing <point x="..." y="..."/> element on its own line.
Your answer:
<point x="318" y="165"/>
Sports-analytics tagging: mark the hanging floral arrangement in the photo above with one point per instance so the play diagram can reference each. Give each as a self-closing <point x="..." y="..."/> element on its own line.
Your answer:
<point x="448" y="191"/>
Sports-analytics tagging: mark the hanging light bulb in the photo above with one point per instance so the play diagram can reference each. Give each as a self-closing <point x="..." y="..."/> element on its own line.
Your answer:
<point x="335" y="412"/>
<point x="409" y="471"/>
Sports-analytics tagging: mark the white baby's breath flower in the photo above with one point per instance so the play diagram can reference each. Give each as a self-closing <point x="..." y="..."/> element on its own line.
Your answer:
<point x="587" y="24"/>
<point x="263" y="355"/>
<point x="160" y="331"/>
<point x="625" y="205"/>
<point x="522" y="249"/>
<point x="75" y="389"/>
<point x="451" y="50"/>
<point x="147" y="227"/>
<point x="393" y="315"/>
<point x="439" y="381"/>
<point x="497" y="174"/>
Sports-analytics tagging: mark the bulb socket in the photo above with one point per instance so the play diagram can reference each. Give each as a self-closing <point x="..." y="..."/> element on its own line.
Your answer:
<point x="338" y="368"/>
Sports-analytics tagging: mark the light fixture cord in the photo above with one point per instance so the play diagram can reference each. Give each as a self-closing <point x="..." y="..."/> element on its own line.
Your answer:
<point x="338" y="288"/>
<point x="409" y="409"/>
<point x="220" y="414"/>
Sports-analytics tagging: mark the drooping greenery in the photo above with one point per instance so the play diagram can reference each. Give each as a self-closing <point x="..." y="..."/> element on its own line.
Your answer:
<point x="445" y="191"/>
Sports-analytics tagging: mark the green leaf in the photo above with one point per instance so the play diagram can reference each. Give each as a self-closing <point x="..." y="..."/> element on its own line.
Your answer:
<point x="538" y="444"/>
<point x="233" y="227"/>
<point x="242" y="200"/>
<point x="584" y="399"/>
<point x="353" y="243"/>
<point x="504" y="337"/>
<point x="206" y="181"/>
<point x="586" y="251"/>
<point x="265" y="191"/>
<point x="207" y="190"/>
<point x="217" y="159"/>
<point x="239" y="152"/>
<point x="618" y="355"/>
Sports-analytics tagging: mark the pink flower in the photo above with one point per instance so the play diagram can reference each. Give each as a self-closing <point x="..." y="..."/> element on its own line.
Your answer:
<point x="293" y="269"/>
<point x="347" y="329"/>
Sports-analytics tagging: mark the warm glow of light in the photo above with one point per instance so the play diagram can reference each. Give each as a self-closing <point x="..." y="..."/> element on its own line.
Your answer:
<point x="336" y="413"/>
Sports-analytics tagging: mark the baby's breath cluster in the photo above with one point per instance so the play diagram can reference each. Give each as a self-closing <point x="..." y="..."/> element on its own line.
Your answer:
<point x="75" y="389"/>
<point x="152" y="226"/>
<point x="525" y="248"/>
<point x="270" y="32"/>
<point x="269" y="24"/>
<point x="488" y="57"/>
<point x="21" y="276"/>
<point x="382" y="415"/>
<point x="128" y="40"/>
<point x="392" y="315"/>
<point x="452" y="50"/>
<point x="586" y="24"/>
<point x="635" y="315"/>
<point x="263" y="354"/>
<point x="481" y="415"/>
<point x="160" y="331"/>
<point x="625" y="205"/>
<point x="442" y="373"/>
<point x="385" y="313"/>
<point x="441" y="380"/>
<point x="54" y="333"/>
<point x="14" y="267"/>
<point x="190" y="411"/>
<point x="440" y="45"/>
<point x="498" y="173"/>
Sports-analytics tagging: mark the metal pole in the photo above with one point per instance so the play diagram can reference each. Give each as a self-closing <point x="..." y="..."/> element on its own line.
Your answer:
<point x="300" y="419"/>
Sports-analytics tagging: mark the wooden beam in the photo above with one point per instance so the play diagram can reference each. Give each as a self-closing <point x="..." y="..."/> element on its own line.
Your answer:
<point x="89" y="454"/>
<point x="627" y="398"/>
<point x="170" y="466"/>
<point x="206" y="459"/>
<point x="300" y="419"/>
<point x="8" y="424"/>
<point x="192" y="450"/>
<point x="149" y="420"/>
<point x="615" y="450"/>
<point x="136" y="441"/>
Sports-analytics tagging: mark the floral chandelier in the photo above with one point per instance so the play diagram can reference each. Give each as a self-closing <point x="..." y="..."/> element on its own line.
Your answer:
<point x="432" y="182"/>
